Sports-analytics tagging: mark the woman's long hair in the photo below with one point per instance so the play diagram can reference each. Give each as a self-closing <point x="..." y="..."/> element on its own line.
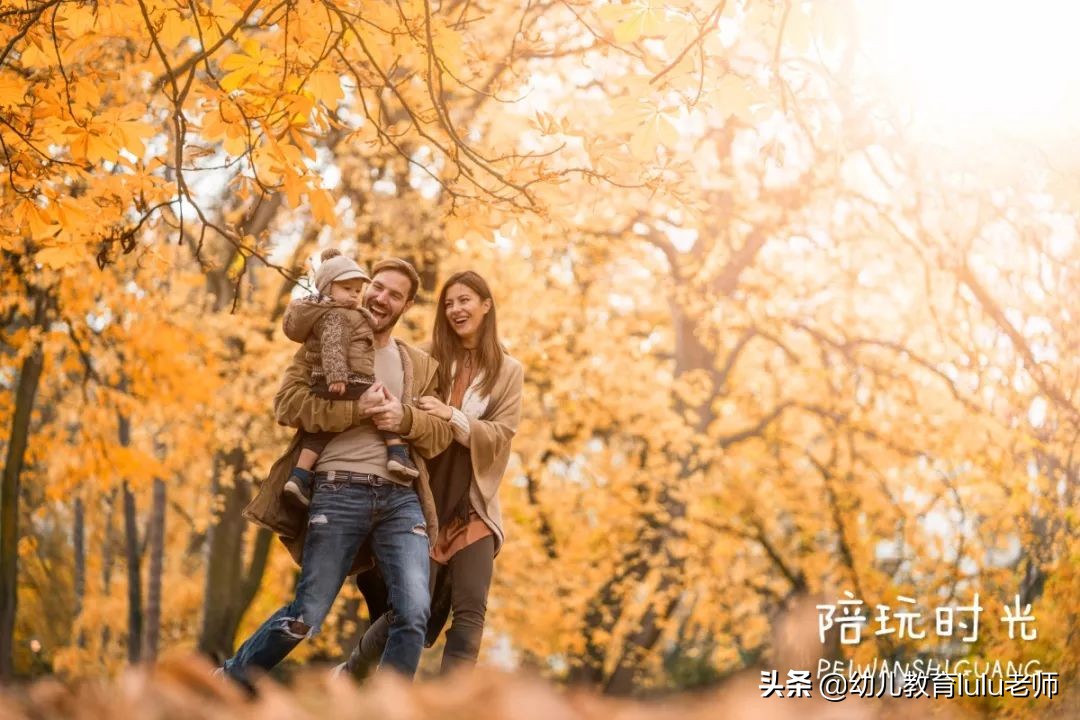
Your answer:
<point x="446" y="346"/>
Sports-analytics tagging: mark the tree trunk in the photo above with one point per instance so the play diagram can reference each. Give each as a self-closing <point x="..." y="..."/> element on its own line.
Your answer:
<point x="229" y="589"/>
<point x="18" y="439"/>
<point x="156" y="540"/>
<point x="108" y="551"/>
<point x="131" y="548"/>
<point x="79" y="544"/>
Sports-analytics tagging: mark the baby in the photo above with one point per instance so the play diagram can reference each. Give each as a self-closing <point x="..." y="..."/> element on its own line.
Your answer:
<point x="337" y="334"/>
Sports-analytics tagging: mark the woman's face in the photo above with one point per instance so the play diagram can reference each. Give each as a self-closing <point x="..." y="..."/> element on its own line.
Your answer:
<point x="465" y="311"/>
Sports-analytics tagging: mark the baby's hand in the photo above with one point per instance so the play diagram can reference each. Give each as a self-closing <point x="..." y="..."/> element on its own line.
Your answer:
<point x="337" y="388"/>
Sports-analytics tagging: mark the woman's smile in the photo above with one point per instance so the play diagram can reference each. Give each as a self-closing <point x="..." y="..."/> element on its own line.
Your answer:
<point x="465" y="311"/>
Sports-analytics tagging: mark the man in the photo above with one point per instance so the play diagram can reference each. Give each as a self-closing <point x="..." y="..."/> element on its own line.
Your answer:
<point x="357" y="507"/>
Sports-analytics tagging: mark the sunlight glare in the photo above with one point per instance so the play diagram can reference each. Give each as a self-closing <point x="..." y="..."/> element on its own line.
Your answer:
<point x="971" y="63"/>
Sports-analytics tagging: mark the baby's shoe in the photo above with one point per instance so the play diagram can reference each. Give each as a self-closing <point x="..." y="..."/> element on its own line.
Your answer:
<point x="399" y="463"/>
<point x="298" y="487"/>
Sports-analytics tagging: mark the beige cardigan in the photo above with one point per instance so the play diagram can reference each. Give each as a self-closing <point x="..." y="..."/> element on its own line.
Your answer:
<point x="490" y="436"/>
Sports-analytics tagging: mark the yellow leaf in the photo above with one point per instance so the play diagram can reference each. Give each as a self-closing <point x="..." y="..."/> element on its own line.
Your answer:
<point x="41" y="224"/>
<point x="303" y="144"/>
<point x="243" y="66"/>
<point x="79" y="21"/>
<point x="639" y="19"/>
<point x="71" y="215"/>
<point x="99" y="148"/>
<point x="59" y="257"/>
<point x="236" y="78"/>
<point x="449" y="48"/>
<point x="647" y="124"/>
<point x="643" y="143"/>
<point x="294" y="187"/>
<point x="132" y="133"/>
<point x="175" y="30"/>
<point x="614" y="12"/>
<point x="235" y="145"/>
<point x="322" y="207"/>
<point x="326" y="86"/>
<point x="732" y="96"/>
<point x="665" y="130"/>
<point x="251" y="56"/>
<point x="680" y="34"/>
<point x="251" y="47"/>
<point x="300" y="107"/>
<point x="12" y="90"/>
<point x="87" y="94"/>
<point x="630" y="29"/>
<point x="236" y="266"/>
<point x="629" y="113"/>
<point x="33" y="56"/>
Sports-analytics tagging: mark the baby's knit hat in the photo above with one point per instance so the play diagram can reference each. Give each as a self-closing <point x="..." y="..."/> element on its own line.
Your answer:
<point x="336" y="267"/>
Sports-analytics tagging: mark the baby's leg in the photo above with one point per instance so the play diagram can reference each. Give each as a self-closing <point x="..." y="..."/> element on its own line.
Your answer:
<point x="398" y="461"/>
<point x="299" y="484"/>
<point x="312" y="445"/>
<point x="308" y="458"/>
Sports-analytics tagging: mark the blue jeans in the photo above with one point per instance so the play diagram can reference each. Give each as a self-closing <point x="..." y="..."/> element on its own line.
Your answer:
<point x="341" y="517"/>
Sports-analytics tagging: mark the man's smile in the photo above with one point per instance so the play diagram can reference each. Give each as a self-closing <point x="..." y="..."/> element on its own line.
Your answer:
<point x="378" y="311"/>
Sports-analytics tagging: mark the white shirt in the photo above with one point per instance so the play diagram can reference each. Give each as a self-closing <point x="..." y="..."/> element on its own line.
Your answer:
<point x="473" y="405"/>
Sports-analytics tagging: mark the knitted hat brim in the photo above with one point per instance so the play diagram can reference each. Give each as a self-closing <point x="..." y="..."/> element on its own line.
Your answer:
<point x="351" y="275"/>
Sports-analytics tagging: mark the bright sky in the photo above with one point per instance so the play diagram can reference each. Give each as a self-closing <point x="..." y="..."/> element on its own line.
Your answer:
<point x="980" y="64"/>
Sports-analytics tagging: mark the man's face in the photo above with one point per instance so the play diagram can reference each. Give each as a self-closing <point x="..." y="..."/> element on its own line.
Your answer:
<point x="387" y="298"/>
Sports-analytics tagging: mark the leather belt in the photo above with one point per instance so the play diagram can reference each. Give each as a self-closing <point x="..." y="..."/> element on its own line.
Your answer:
<point x="351" y="477"/>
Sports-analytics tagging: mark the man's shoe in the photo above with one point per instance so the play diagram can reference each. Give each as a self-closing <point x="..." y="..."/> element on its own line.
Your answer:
<point x="222" y="675"/>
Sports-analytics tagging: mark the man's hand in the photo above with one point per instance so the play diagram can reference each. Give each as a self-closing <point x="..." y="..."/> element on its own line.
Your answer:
<point x="372" y="397"/>
<point x="388" y="414"/>
<point x="337" y="388"/>
<point x="435" y="406"/>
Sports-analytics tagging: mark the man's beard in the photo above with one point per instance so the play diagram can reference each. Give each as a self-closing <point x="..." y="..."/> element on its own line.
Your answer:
<point x="388" y="321"/>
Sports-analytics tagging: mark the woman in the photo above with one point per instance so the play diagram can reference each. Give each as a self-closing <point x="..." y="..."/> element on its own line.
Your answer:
<point x="481" y="385"/>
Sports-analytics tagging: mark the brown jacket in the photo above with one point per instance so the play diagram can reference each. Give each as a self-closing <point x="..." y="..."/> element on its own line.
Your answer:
<point x="296" y="406"/>
<point x="338" y="338"/>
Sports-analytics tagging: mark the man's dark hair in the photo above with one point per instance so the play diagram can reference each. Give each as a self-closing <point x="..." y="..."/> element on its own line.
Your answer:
<point x="402" y="266"/>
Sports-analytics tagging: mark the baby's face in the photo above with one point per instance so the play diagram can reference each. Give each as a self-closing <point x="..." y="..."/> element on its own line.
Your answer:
<point x="347" y="291"/>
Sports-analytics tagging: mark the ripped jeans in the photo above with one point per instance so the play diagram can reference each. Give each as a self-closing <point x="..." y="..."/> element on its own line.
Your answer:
<point x="340" y="518"/>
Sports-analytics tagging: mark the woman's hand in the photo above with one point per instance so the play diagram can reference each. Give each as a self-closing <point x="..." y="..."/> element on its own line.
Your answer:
<point x="435" y="406"/>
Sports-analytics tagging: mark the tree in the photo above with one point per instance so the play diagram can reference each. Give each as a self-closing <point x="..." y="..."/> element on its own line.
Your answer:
<point x="29" y="376"/>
